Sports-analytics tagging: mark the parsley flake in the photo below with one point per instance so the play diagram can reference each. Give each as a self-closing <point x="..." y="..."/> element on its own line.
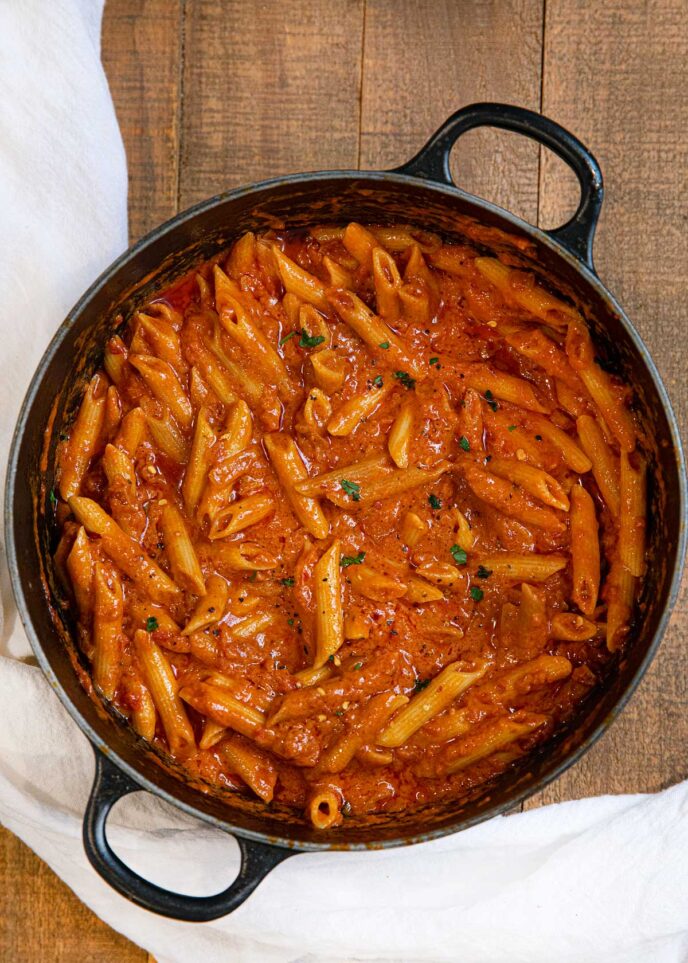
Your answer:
<point x="310" y="341"/>
<point x="384" y="345"/>
<point x="489" y="398"/>
<point x="151" y="624"/>
<point x="464" y="443"/>
<point x="476" y="593"/>
<point x="359" y="665"/>
<point x="458" y="554"/>
<point x="435" y="502"/>
<point x="511" y="428"/>
<point x="352" y="489"/>
<point x="406" y="380"/>
<point x="347" y="560"/>
<point x="287" y="581"/>
<point x="421" y="684"/>
<point x="290" y="621"/>
<point x="292" y="334"/>
<point x="434" y="361"/>
<point x="377" y="381"/>
<point x="483" y="572"/>
<point x="53" y="498"/>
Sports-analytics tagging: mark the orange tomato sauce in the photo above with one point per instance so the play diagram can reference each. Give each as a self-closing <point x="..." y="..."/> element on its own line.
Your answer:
<point x="458" y="329"/>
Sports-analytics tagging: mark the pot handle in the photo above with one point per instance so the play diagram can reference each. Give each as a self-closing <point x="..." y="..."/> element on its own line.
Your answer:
<point x="111" y="784"/>
<point x="432" y="163"/>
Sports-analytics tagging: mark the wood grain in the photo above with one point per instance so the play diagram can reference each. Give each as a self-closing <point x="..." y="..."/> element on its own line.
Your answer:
<point x="42" y="920"/>
<point x="141" y="52"/>
<point x="422" y="61"/>
<point x="269" y="89"/>
<point x="615" y="73"/>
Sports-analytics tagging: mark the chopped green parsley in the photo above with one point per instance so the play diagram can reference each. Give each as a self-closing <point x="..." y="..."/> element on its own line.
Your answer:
<point x="292" y="334"/>
<point x="476" y="593"/>
<point x="483" y="572"/>
<point x="435" y="502"/>
<point x="347" y="560"/>
<point x="287" y="581"/>
<point x="489" y="398"/>
<point x="384" y="345"/>
<point x="405" y="379"/>
<point x="464" y="443"/>
<point x="352" y="489"/>
<point x="151" y="624"/>
<point x="458" y="554"/>
<point x="310" y="341"/>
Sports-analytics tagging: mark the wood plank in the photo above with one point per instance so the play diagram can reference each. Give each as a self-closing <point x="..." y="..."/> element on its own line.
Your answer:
<point x="615" y="74"/>
<point x="423" y="61"/>
<point x="141" y="52"/>
<point x="269" y="89"/>
<point x="44" y="920"/>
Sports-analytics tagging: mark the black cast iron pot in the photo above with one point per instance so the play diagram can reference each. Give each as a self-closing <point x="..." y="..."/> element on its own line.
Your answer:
<point x="421" y="192"/>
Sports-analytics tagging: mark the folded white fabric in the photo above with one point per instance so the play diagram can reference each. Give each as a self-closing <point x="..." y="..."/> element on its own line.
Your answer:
<point x="598" y="879"/>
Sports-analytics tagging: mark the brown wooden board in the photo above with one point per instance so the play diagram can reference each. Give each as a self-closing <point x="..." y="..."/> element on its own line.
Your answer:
<point x="615" y="74"/>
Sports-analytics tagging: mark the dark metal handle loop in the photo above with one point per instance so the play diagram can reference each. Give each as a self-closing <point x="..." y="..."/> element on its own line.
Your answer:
<point x="432" y="163"/>
<point x="111" y="784"/>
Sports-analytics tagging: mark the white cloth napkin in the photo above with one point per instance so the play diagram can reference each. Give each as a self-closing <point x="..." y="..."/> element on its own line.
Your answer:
<point x="584" y="881"/>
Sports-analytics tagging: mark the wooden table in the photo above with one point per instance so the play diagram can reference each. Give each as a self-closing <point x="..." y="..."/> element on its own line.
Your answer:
<point x="215" y="93"/>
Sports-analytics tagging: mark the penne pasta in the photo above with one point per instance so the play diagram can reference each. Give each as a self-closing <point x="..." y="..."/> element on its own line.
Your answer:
<point x="523" y="568"/>
<point x="222" y="707"/>
<point x="253" y="766"/>
<point x="452" y="681"/>
<point x="370" y="720"/>
<point x="162" y="685"/>
<point x="108" y="611"/>
<point x="363" y="470"/>
<point x="399" y="440"/>
<point x="632" y="513"/>
<point x="84" y="439"/>
<point x="296" y="281"/>
<point x="605" y="467"/>
<point x="329" y="614"/>
<point x="241" y="514"/>
<point x="581" y="354"/>
<point x="492" y="737"/>
<point x="290" y="469"/>
<point x="324" y="810"/>
<point x="585" y="551"/>
<point x="358" y="409"/>
<point x="164" y="433"/>
<point x="186" y="570"/>
<point x="387" y="281"/>
<point x="532" y="480"/>
<point x="164" y="384"/>
<point x="372" y="330"/>
<point x="505" y="496"/>
<point x="199" y="458"/>
<point x="519" y="287"/>
<point x="126" y="553"/>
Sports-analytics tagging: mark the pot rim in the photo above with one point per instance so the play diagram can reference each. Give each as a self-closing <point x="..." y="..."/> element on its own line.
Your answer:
<point x="536" y="233"/>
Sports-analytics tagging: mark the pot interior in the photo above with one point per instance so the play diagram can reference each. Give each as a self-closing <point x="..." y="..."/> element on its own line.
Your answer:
<point x="169" y="253"/>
